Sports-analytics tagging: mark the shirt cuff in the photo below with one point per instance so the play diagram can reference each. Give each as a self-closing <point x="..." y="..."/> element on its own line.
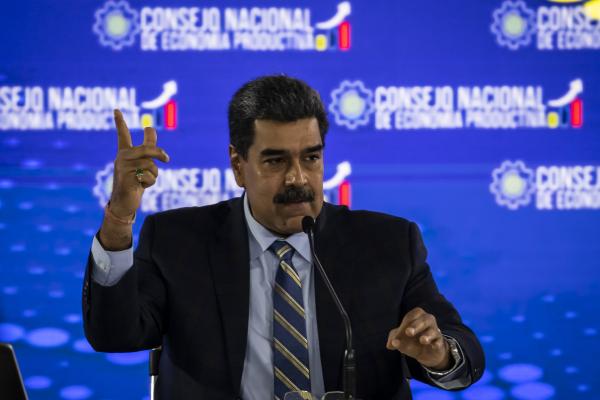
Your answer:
<point x="456" y="377"/>
<point x="110" y="266"/>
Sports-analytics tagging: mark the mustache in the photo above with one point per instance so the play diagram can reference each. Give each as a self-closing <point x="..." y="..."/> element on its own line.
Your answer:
<point x="294" y="194"/>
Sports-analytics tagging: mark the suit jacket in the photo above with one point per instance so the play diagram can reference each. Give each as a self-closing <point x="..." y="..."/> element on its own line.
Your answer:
<point x="188" y="291"/>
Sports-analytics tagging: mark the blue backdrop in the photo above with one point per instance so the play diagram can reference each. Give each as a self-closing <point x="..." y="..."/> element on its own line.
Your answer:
<point x="479" y="120"/>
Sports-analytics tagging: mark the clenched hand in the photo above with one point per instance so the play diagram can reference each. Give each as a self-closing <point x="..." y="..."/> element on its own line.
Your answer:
<point x="419" y="337"/>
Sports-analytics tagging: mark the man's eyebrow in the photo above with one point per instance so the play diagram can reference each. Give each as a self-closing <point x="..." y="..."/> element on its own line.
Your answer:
<point x="313" y="149"/>
<point x="279" y="152"/>
<point x="273" y="152"/>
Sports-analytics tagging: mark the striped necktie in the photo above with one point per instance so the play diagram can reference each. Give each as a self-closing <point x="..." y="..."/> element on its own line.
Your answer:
<point x="290" y="344"/>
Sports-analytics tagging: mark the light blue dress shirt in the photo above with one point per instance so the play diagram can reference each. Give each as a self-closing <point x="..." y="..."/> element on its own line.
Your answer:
<point x="257" y="377"/>
<point x="258" y="365"/>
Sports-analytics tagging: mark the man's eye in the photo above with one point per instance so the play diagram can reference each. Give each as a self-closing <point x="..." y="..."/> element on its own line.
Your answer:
<point x="313" y="157"/>
<point x="273" y="161"/>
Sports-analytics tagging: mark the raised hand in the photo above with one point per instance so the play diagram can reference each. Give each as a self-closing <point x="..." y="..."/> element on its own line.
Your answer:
<point x="134" y="168"/>
<point x="419" y="337"/>
<point x="134" y="171"/>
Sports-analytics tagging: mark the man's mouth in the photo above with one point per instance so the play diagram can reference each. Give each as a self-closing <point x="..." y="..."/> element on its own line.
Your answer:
<point x="297" y="202"/>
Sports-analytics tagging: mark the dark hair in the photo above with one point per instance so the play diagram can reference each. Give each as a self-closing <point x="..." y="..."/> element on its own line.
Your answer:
<point x="276" y="98"/>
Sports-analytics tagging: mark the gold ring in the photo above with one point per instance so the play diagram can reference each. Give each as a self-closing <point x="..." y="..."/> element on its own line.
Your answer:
<point x="139" y="174"/>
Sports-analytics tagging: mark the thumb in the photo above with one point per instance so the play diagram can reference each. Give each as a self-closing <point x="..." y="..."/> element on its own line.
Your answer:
<point x="150" y="137"/>
<point x="393" y="342"/>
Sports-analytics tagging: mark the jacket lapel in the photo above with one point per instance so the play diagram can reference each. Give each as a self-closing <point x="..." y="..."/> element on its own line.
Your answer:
<point x="231" y="273"/>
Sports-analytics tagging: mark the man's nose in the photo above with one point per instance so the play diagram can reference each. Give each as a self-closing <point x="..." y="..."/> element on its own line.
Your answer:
<point x="295" y="175"/>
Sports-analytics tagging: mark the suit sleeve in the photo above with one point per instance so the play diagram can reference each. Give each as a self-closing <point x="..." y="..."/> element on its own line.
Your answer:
<point x="422" y="291"/>
<point x="129" y="315"/>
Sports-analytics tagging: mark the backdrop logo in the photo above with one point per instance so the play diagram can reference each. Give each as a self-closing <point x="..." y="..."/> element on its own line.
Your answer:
<point x="514" y="24"/>
<point x="513" y="184"/>
<point x="351" y="104"/>
<point x="446" y="107"/>
<point x="84" y="107"/>
<point x="185" y="187"/>
<point x="161" y="112"/>
<point x="117" y="25"/>
<point x="553" y="187"/>
<point x="567" y="110"/>
<point x="565" y="25"/>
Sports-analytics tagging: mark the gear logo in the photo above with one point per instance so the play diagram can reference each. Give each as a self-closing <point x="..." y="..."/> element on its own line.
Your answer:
<point x="116" y="24"/>
<point x="513" y="184"/>
<point x="352" y="104"/>
<point x="514" y="24"/>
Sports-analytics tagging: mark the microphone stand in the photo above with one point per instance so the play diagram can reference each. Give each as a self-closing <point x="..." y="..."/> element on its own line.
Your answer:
<point x="349" y="375"/>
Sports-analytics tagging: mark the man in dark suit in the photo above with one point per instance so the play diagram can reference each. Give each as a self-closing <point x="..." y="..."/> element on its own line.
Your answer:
<point x="229" y="290"/>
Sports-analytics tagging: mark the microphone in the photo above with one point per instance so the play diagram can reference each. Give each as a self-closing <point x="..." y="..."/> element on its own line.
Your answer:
<point x="349" y="377"/>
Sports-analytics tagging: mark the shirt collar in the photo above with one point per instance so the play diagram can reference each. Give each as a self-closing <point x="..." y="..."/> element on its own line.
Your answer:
<point x="261" y="238"/>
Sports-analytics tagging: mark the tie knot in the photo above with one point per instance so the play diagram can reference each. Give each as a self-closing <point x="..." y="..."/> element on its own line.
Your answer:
<point x="282" y="250"/>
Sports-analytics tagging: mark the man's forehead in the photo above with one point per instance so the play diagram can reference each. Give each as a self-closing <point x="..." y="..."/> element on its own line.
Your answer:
<point x="309" y="123"/>
<point x="300" y="134"/>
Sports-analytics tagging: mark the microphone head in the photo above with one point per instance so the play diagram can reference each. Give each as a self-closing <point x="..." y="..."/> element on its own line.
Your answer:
<point x="307" y="224"/>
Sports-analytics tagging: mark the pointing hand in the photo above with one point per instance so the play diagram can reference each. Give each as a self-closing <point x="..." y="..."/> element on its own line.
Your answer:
<point x="134" y="168"/>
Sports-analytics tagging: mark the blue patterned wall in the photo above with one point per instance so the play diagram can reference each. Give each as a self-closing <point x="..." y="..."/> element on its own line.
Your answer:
<point x="480" y="120"/>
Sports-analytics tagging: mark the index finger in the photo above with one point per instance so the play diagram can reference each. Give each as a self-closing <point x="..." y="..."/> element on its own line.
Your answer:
<point x="412" y="315"/>
<point x="123" y="135"/>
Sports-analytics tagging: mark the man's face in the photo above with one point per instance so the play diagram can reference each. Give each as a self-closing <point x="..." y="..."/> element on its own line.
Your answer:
<point x="283" y="173"/>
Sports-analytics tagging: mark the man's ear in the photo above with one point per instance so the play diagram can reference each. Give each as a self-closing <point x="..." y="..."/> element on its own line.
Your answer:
<point x="236" y="166"/>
